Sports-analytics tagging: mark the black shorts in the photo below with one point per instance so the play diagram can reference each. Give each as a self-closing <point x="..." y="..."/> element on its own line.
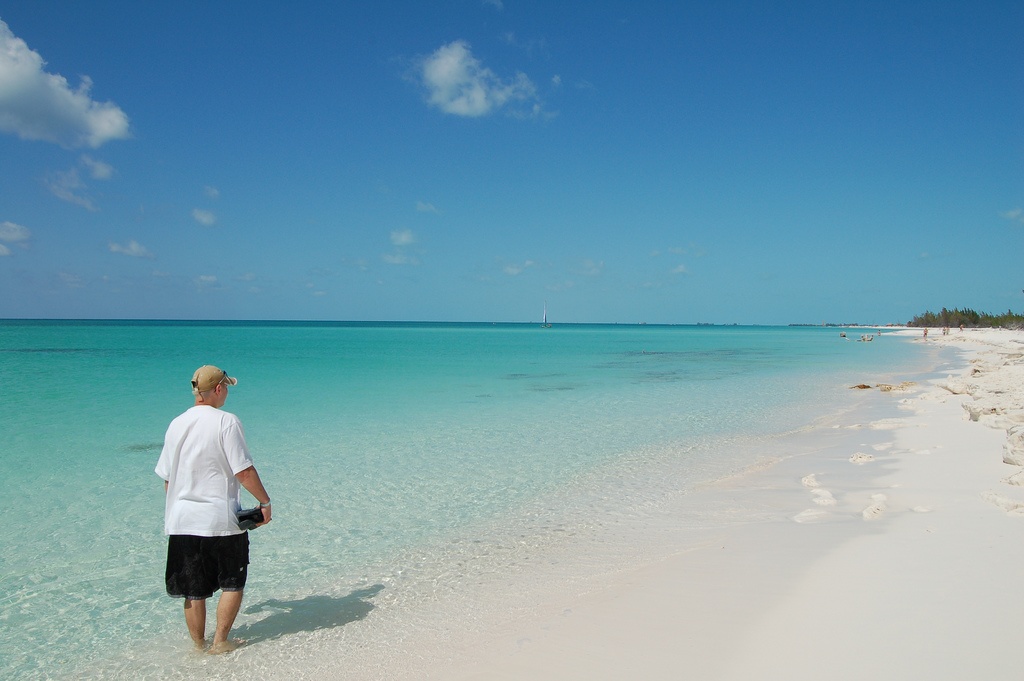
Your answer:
<point x="198" y="566"/>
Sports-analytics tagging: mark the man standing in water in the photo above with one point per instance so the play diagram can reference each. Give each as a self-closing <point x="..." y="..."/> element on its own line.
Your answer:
<point x="204" y="464"/>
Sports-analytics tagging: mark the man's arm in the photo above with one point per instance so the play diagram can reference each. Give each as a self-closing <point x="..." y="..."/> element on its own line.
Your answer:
<point x="250" y="480"/>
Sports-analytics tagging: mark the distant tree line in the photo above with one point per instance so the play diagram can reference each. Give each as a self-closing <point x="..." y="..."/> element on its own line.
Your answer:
<point x="969" y="318"/>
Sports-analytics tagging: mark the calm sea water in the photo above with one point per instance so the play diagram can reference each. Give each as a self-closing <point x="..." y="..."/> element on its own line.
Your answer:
<point x="382" y="445"/>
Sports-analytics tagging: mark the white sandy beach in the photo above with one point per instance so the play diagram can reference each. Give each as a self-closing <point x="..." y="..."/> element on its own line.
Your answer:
<point x="886" y="543"/>
<point x="898" y="558"/>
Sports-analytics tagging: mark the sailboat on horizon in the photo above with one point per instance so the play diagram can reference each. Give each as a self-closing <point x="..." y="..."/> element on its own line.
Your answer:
<point x="544" y="324"/>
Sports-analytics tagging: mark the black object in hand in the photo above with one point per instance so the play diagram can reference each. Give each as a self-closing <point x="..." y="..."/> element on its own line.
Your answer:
<point x="247" y="520"/>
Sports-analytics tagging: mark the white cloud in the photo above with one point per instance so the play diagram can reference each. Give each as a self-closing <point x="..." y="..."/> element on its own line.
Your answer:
<point x="68" y="186"/>
<point x="496" y="4"/>
<point x="98" y="170"/>
<point x="204" y="217"/>
<point x="403" y="237"/>
<point x="399" y="259"/>
<point x="133" y="248"/>
<point x="561" y="286"/>
<point x="1017" y="215"/>
<point x="71" y="280"/>
<point x="211" y="192"/>
<point x="206" y="281"/>
<point x="14" y="233"/>
<point x="691" y="251"/>
<point x="680" y="269"/>
<point x="355" y="263"/>
<point x="530" y="46"/>
<point x="457" y="83"/>
<point x="427" y="208"/>
<point x="516" y="269"/>
<point x="36" y="105"/>
<point x="591" y="268"/>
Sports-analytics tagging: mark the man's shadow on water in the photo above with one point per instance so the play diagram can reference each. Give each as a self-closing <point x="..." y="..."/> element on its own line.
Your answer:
<point x="307" y="614"/>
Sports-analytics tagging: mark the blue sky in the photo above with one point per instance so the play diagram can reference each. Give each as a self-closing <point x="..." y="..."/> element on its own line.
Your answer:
<point x="667" y="162"/>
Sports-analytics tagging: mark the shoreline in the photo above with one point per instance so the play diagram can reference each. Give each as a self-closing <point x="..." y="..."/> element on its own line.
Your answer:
<point x="894" y="560"/>
<point x="816" y="558"/>
<point x="639" y="435"/>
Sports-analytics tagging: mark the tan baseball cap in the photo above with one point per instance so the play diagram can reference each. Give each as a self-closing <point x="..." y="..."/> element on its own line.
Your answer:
<point x="208" y="377"/>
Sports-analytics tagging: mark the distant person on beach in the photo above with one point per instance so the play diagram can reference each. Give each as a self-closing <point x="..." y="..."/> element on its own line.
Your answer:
<point x="204" y="463"/>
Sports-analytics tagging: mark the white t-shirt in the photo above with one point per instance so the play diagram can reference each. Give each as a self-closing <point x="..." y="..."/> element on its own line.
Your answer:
<point x="203" y="450"/>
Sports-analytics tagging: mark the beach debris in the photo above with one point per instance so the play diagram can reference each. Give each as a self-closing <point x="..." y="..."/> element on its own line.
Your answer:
<point x="901" y="388"/>
<point x="992" y="415"/>
<point x="1003" y="421"/>
<point x="876" y="509"/>
<point x="974" y="410"/>
<point x="861" y="458"/>
<point x="1009" y="506"/>
<point x="885" y="387"/>
<point x="1017" y="479"/>
<point x="957" y="386"/>
<point x="810" y="480"/>
<point x="1013" y="448"/>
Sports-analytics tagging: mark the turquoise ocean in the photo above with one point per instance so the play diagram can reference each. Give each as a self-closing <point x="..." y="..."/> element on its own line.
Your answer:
<point x="403" y="460"/>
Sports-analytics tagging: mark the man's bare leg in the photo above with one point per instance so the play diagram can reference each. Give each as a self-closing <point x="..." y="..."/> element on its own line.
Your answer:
<point x="195" y="620"/>
<point x="227" y="609"/>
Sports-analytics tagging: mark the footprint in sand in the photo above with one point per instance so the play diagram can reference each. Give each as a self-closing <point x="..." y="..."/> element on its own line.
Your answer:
<point x="876" y="509"/>
<point x="861" y="458"/>
<point x="810" y="481"/>
<point x="823" y="497"/>
<point x="811" y="515"/>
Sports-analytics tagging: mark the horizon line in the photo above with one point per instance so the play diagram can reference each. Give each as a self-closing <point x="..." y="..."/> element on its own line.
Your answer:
<point x="171" y="320"/>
